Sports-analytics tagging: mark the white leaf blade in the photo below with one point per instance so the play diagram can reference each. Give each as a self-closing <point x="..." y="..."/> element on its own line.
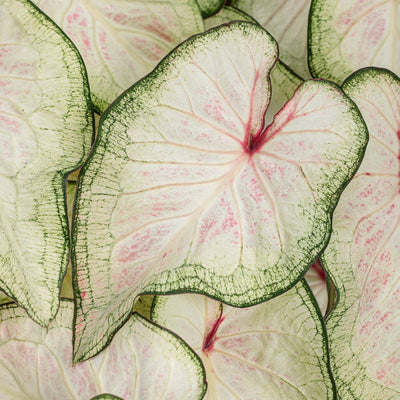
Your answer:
<point x="46" y="128"/>
<point x="37" y="362"/>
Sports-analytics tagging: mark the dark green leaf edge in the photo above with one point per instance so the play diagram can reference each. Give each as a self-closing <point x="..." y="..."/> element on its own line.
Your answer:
<point x="321" y="327"/>
<point x="61" y="192"/>
<point x="317" y="63"/>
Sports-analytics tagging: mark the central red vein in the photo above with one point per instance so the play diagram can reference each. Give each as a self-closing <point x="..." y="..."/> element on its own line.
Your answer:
<point x="211" y="336"/>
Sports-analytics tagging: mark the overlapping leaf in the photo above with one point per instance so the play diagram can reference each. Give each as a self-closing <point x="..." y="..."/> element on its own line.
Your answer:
<point x="45" y="131"/>
<point x="363" y="255"/>
<point x="142" y="362"/>
<point x="287" y="22"/>
<point x="121" y="41"/>
<point x="346" y="35"/>
<point x="187" y="190"/>
<point x="274" y="350"/>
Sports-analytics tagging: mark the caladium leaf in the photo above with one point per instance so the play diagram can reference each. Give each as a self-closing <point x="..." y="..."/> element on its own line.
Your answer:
<point x="210" y="7"/>
<point x="345" y="35"/>
<point x="121" y="41"/>
<point x="46" y="129"/>
<point x="363" y="254"/>
<point x="142" y="362"/>
<point x="284" y="81"/>
<point x="187" y="190"/>
<point x="287" y="21"/>
<point x="274" y="350"/>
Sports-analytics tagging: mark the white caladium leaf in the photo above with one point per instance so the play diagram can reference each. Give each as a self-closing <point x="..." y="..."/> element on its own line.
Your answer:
<point x="345" y="35"/>
<point x="287" y="21"/>
<point x="46" y="129"/>
<point x="284" y="81"/>
<point x="273" y="350"/>
<point x="187" y="190"/>
<point x="121" y="41"/>
<point x="210" y="7"/>
<point x="142" y="362"/>
<point x="363" y="255"/>
<point x="315" y="277"/>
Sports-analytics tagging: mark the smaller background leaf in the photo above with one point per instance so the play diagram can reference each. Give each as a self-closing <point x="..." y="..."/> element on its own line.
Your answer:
<point x="273" y="350"/>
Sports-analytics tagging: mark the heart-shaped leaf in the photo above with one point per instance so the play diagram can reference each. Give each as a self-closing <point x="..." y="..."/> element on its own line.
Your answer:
<point x="274" y="350"/>
<point x="363" y="255"/>
<point x="121" y="41"/>
<point x="345" y="35"/>
<point x="142" y="362"/>
<point x="287" y="22"/>
<point x="187" y="190"/>
<point x="46" y="129"/>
